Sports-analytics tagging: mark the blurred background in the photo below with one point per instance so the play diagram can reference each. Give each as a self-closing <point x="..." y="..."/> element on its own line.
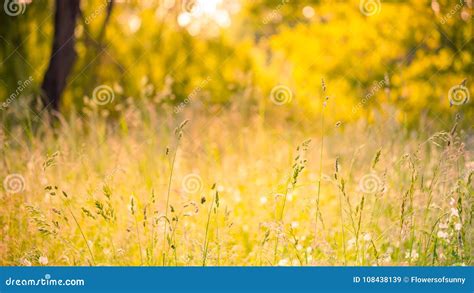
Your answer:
<point x="401" y="59"/>
<point x="319" y="132"/>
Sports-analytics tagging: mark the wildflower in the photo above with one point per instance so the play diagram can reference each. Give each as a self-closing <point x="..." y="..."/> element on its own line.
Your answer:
<point x="412" y="255"/>
<point x="263" y="200"/>
<point x="367" y="237"/>
<point x="387" y="258"/>
<point x="43" y="260"/>
<point x="442" y="234"/>
<point x="452" y="201"/>
<point x="454" y="212"/>
<point x="458" y="226"/>
<point x="294" y="224"/>
<point x="283" y="262"/>
<point x="351" y="243"/>
<point x="443" y="225"/>
<point x="290" y="196"/>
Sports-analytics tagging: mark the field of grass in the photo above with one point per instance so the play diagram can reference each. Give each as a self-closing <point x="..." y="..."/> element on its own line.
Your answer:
<point x="223" y="188"/>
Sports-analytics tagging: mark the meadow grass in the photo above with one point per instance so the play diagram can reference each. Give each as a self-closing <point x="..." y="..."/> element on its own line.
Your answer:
<point x="230" y="190"/>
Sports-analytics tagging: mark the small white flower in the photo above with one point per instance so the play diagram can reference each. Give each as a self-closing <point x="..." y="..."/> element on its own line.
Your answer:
<point x="452" y="201"/>
<point x="283" y="262"/>
<point x="263" y="200"/>
<point x="458" y="226"/>
<point x="367" y="237"/>
<point x="351" y="243"/>
<point x="414" y="255"/>
<point x="442" y="234"/>
<point x="290" y="196"/>
<point x="443" y="225"/>
<point x="454" y="212"/>
<point x="43" y="260"/>
<point x="294" y="224"/>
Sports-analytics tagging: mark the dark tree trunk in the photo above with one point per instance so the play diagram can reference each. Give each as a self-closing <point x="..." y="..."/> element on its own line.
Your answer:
<point x="63" y="54"/>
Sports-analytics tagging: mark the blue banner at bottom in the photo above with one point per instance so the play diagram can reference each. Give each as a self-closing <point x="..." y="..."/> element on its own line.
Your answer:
<point x="237" y="279"/>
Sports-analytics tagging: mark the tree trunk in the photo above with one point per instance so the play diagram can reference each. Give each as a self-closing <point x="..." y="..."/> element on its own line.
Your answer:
<point x="63" y="54"/>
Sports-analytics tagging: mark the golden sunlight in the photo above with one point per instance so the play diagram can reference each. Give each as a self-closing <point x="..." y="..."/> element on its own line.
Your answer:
<point x="211" y="15"/>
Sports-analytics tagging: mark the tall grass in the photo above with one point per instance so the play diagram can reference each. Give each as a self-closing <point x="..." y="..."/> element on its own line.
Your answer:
<point x="385" y="197"/>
